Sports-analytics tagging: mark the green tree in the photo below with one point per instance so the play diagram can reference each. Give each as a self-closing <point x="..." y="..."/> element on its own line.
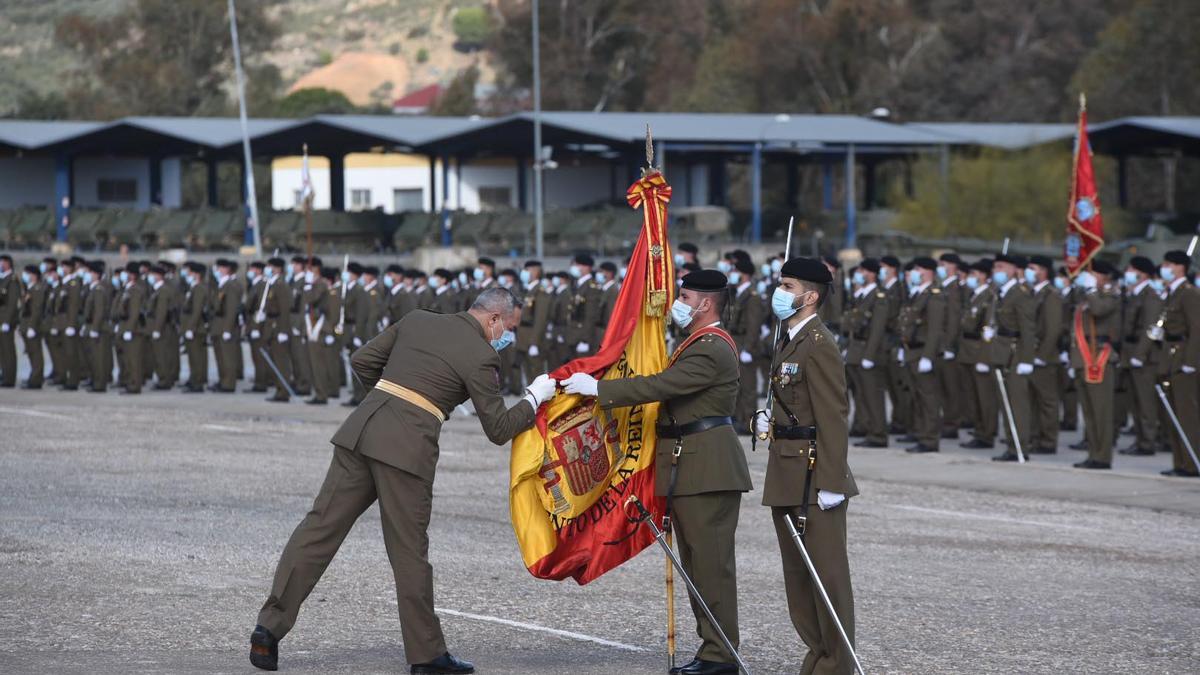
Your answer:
<point x="472" y="26"/>
<point x="313" y="101"/>
<point x="459" y="96"/>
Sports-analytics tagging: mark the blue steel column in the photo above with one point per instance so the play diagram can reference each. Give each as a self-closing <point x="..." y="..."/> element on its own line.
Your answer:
<point x="522" y="184"/>
<point x="156" y="181"/>
<point x="337" y="182"/>
<point x="432" y="183"/>
<point x="210" y="166"/>
<point x="756" y="194"/>
<point x="851" y="216"/>
<point x="62" y="196"/>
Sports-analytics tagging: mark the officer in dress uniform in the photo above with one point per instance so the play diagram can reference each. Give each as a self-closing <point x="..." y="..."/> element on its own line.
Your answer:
<point x="1140" y="353"/>
<point x="585" y="308"/>
<point x="444" y="301"/>
<point x="131" y="328"/>
<point x="921" y="326"/>
<point x="1012" y="336"/>
<point x="95" y="331"/>
<point x="10" y="308"/>
<point x="298" y="342"/>
<point x="535" y="316"/>
<point x="253" y="318"/>
<point x="193" y="322"/>
<point x="164" y="340"/>
<point x="897" y="376"/>
<point x="807" y="465"/>
<point x="974" y="352"/>
<point x="1043" y="384"/>
<point x="866" y="353"/>
<point x="32" y="324"/>
<point x="227" y="345"/>
<point x="1181" y="358"/>
<point x="1096" y="327"/>
<point x="417" y="371"/>
<point x="277" y="326"/>
<point x="952" y="376"/>
<point x="324" y="302"/>
<point x="704" y="483"/>
<point x="745" y="323"/>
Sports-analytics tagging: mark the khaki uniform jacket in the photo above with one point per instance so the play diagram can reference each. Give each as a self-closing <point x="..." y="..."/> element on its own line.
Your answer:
<point x="68" y="305"/>
<point x="702" y="382"/>
<point x="422" y="297"/>
<point x="1181" y="329"/>
<point x="33" y="308"/>
<point x="560" y="314"/>
<point x="1016" y="333"/>
<point x="1142" y="311"/>
<point x="130" y="306"/>
<point x="584" y="314"/>
<point x="278" y="309"/>
<point x="252" y="304"/>
<point x="971" y="347"/>
<point x="866" y="326"/>
<point x="445" y="301"/>
<point x="195" y="307"/>
<point x="226" y="303"/>
<point x="327" y="303"/>
<point x="608" y="300"/>
<point x="399" y="303"/>
<point x="534" y="318"/>
<point x="833" y="310"/>
<point x="10" y="299"/>
<point x="956" y="304"/>
<point x="1049" y="321"/>
<point x="921" y="323"/>
<point x="370" y="311"/>
<point x="1101" y="308"/>
<point x="745" y="319"/>
<point x="447" y="359"/>
<point x="160" y="310"/>
<point x="816" y="395"/>
<point x="97" y="308"/>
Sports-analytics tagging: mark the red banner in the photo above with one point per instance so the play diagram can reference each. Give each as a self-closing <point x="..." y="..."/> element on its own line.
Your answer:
<point x="1085" y="225"/>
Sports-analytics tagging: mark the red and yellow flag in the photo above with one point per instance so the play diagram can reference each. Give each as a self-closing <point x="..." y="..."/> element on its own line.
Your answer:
<point x="1085" y="226"/>
<point x="572" y="472"/>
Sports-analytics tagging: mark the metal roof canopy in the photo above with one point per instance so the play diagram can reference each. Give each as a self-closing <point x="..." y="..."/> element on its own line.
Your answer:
<point x="157" y="136"/>
<point x="1006" y="136"/>
<point x="23" y="135"/>
<point x="1147" y="136"/>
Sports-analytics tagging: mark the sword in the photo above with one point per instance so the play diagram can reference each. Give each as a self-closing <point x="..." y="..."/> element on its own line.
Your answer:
<point x="660" y="536"/>
<point x="1012" y="423"/>
<point x="798" y="537"/>
<point x="1187" y="443"/>
<point x="262" y="351"/>
<point x="766" y="409"/>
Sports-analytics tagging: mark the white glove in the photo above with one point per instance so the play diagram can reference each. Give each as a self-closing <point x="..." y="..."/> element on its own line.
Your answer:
<point x="30" y="333"/>
<point x="70" y="331"/>
<point x="296" y="332"/>
<point x="189" y="335"/>
<point x="948" y="355"/>
<point x="1064" y="358"/>
<point x="828" y="500"/>
<point x="94" y="334"/>
<point x="982" y="368"/>
<point x="254" y="334"/>
<point x="762" y="422"/>
<point x="533" y="351"/>
<point x="226" y="336"/>
<point x="900" y="355"/>
<point x="1188" y="370"/>
<point x="1136" y="363"/>
<point x="1039" y="363"/>
<point x="4" y="328"/>
<point x="54" y="331"/>
<point x="988" y="333"/>
<point x="155" y="335"/>
<point x="1024" y="368"/>
<point x="127" y="336"/>
<point x="1071" y="373"/>
<point x="582" y="348"/>
<point x="868" y="364"/>
<point x="924" y="365"/>
<point x="329" y="339"/>
<point x="745" y="357"/>
<point x="541" y="389"/>
<point x="282" y="337"/>
<point x="582" y="384"/>
<point x="560" y="340"/>
<point x="357" y="342"/>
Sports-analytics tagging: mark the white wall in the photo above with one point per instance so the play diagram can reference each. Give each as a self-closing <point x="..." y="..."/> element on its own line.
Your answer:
<point x="26" y="181"/>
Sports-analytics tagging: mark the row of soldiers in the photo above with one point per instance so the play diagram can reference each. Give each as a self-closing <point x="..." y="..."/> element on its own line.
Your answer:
<point x="957" y="346"/>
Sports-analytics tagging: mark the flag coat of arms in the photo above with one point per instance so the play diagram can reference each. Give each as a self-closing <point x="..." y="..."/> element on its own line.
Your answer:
<point x="571" y="474"/>
<point x="1085" y="225"/>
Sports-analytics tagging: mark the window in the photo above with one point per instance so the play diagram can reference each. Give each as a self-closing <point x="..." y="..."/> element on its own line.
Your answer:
<point x="298" y="201"/>
<point x="492" y="198"/>
<point x="116" y="190"/>
<point x="408" y="199"/>
<point x="360" y="200"/>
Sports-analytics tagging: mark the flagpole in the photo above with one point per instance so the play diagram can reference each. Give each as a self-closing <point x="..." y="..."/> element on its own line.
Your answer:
<point x="255" y="239"/>
<point x="308" y="197"/>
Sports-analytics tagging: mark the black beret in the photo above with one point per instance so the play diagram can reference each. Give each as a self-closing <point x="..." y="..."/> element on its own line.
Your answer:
<point x="354" y="268"/>
<point x="314" y="261"/>
<point x="1011" y="259"/>
<point x="692" y="267"/>
<point x="532" y="263"/>
<point x="688" y="247"/>
<point x="96" y="266"/>
<point x="1044" y="262"/>
<point x="416" y="273"/>
<point x="707" y="281"/>
<point x="585" y="259"/>
<point x="232" y="265"/>
<point x="951" y="258"/>
<point x="372" y="270"/>
<point x="737" y="254"/>
<point x="1143" y="264"/>
<point x="487" y="261"/>
<point x="982" y="265"/>
<point x="443" y="273"/>
<point x="276" y="262"/>
<point x="1101" y="267"/>
<point x="870" y="265"/>
<point x="832" y="261"/>
<point x="1178" y="257"/>
<point x="133" y="268"/>
<point x="1020" y="261"/>
<point x="395" y="269"/>
<point x="50" y="261"/>
<point x="608" y="267"/>
<point x="330" y="273"/>
<point x="156" y="269"/>
<point x="143" y="263"/>
<point x="258" y="265"/>
<point x="76" y="260"/>
<point x="744" y="266"/>
<point x="510" y="272"/>
<point x="926" y="263"/>
<point x="299" y="259"/>
<point x="165" y="264"/>
<point x="33" y="269"/>
<point x="807" y="269"/>
<point x="909" y="265"/>
<point x="195" y="267"/>
<point x="890" y="261"/>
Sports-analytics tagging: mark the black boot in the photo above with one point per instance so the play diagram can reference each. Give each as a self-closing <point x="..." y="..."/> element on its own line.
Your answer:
<point x="444" y="664"/>
<point x="264" y="649"/>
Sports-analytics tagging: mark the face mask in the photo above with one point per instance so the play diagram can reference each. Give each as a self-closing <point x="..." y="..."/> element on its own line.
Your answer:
<point x="761" y="288"/>
<point x="765" y="269"/>
<point x="506" y="338"/>
<point x="1030" y="276"/>
<point x="435" y="282"/>
<point x="624" y="271"/>
<point x="681" y="313"/>
<point x="781" y="304"/>
<point x="601" y="277"/>
<point x="388" y="281"/>
<point x="506" y="282"/>
<point x="1156" y="285"/>
<point x="42" y="267"/>
<point x="124" y="277"/>
<point x="724" y="266"/>
<point x="1085" y="280"/>
<point x="477" y="274"/>
<point x="116" y="282"/>
<point x="885" y="273"/>
<point x="776" y="266"/>
<point x="679" y="259"/>
<point x="574" y="271"/>
<point x="1000" y="277"/>
<point x="26" y="279"/>
<point x="251" y="276"/>
<point x="270" y="273"/>
<point x="735" y="278"/>
<point x="914" y="278"/>
<point x="62" y="272"/>
<point x="859" y="279"/>
<point x="942" y="273"/>
<point x="309" y="276"/>
<point x="1060" y="283"/>
<point x="1131" y="279"/>
<point x="345" y="277"/>
<point x="291" y="274"/>
<point x="1167" y="274"/>
<point x="87" y="278"/>
<point x="972" y="282"/>
<point x="525" y="276"/>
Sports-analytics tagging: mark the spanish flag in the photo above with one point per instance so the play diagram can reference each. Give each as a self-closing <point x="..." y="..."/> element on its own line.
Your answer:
<point x="572" y="472"/>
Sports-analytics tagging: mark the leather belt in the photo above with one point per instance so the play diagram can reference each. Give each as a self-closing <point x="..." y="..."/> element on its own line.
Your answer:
<point x="1174" y="338"/>
<point x="795" y="432"/>
<point x="971" y="335"/>
<point x="915" y="345"/>
<point x="1131" y="339"/>
<point x="695" y="427"/>
<point x="1004" y="332"/>
<point x="406" y="394"/>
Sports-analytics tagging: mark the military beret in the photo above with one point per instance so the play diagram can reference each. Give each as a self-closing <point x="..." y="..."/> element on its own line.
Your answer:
<point x="508" y="272"/>
<point x="443" y="273"/>
<point x="832" y="261"/>
<point x="982" y="265"/>
<point x="806" y="269"/>
<point x="314" y="261"/>
<point x="890" y="261"/>
<point x="951" y="258"/>
<point x="1020" y="261"/>
<point x="165" y="264"/>
<point x="76" y="260"/>
<point x="395" y="269"/>
<point x="585" y="259"/>
<point x="1042" y="261"/>
<point x="692" y="267"/>
<point x="156" y="269"/>
<point x="688" y="247"/>
<point x="258" y="265"/>
<point x="372" y="270"/>
<point x="909" y="265"/>
<point x="1178" y="257"/>
<point x="50" y="261"/>
<point x="232" y="265"/>
<point x="1102" y="267"/>
<point x="1008" y="258"/>
<point x="487" y="261"/>
<point x="744" y="266"/>
<point x="299" y="259"/>
<point x="926" y="263"/>
<point x="277" y="262"/>
<point x="416" y="273"/>
<point x="96" y="266"/>
<point x="1143" y="264"/>
<point x="133" y="268"/>
<point x="330" y="273"/>
<point x="143" y="263"/>
<point x="870" y="265"/>
<point x="532" y="263"/>
<point x="608" y="267"/>
<point x="707" y="281"/>
<point x="354" y="268"/>
<point x="33" y="269"/>
<point x="196" y="267"/>
<point x="737" y="254"/>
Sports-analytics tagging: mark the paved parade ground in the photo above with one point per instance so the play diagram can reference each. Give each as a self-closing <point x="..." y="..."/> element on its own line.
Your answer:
<point x="139" y="534"/>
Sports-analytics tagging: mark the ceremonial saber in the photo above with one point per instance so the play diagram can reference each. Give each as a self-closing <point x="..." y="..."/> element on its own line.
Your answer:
<point x="766" y="410"/>
<point x="1012" y="423"/>
<point x="1187" y="443"/>
<point x="812" y="572"/>
<point x="660" y="536"/>
<point x="262" y="351"/>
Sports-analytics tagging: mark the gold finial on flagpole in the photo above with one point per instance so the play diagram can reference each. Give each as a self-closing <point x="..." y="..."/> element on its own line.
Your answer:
<point x="1082" y="101"/>
<point x="649" y="168"/>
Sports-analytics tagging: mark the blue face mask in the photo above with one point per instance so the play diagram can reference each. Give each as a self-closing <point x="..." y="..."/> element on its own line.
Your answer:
<point x="681" y="313"/>
<point x="1156" y="285"/>
<point x="1131" y="279"/>
<point x="776" y="265"/>
<point x="88" y="278"/>
<point x="1030" y="276"/>
<point x="1167" y="274"/>
<point x="251" y="276"/>
<point x="477" y="273"/>
<point x="124" y="277"/>
<point x="388" y="281"/>
<point x="735" y="278"/>
<point x="526" y="277"/>
<point x="724" y="267"/>
<point x="345" y="277"/>
<point x="914" y="278"/>
<point x="116" y="282"/>
<point x="1000" y="277"/>
<point x="781" y="304"/>
<point x="765" y="269"/>
<point x="859" y="279"/>
<point x="679" y="259"/>
<point x="506" y="338"/>
<point x="942" y="273"/>
<point x="884" y="273"/>
<point x="26" y="279"/>
<point x="1060" y="283"/>
<point x="972" y="282"/>
<point x="270" y="273"/>
<point x="761" y="288"/>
